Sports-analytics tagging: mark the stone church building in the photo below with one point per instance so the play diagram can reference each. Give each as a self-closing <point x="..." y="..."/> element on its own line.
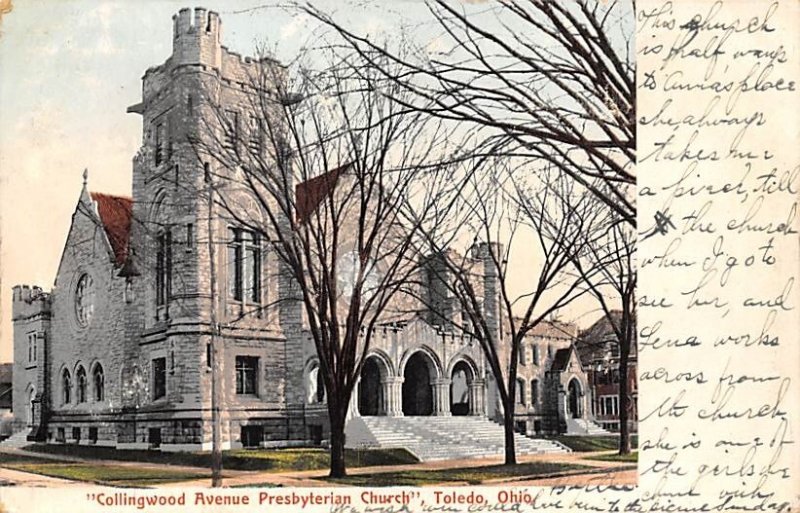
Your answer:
<point x="118" y="353"/>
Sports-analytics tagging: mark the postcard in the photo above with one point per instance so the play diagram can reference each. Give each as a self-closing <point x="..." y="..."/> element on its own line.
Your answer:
<point x="368" y="256"/>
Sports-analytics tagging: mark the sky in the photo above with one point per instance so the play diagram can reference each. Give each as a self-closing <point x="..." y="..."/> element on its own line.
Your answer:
<point x="68" y="71"/>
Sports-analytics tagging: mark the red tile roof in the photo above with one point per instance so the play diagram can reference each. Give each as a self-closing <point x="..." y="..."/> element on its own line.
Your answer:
<point x="115" y="214"/>
<point x="309" y="194"/>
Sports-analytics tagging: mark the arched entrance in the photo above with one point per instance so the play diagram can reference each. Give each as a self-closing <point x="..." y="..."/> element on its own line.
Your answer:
<point x="460" y="381"/>
<point x="574" y="399"/>
<point x="31" y="413"/>
<point x="370" y="391"/>
<point x="315" y="386"/>
<point x="418" y="376"/>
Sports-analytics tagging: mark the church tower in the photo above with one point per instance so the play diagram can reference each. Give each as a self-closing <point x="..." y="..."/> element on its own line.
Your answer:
<point x="184" y="100"/>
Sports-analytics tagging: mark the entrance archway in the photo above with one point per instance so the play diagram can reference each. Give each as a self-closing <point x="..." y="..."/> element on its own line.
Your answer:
<point x="418" y="376"/>
<point x="574" y="400"/>
<point x="31" y="409"/>
<point x="370" y="391"/>
<point x="460" y="381"/>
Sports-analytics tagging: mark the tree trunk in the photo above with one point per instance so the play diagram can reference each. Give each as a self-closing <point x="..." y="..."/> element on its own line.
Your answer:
<point x="337" y="418"/>
<point x="508" y="425"/>
<point x="624" y="399"/>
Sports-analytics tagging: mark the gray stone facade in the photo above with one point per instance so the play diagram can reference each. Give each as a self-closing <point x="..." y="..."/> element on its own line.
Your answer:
<point x="118" y="352"/>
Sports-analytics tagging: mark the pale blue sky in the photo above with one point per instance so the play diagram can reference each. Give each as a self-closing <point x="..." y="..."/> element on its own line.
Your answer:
<point x="68" y="71"/>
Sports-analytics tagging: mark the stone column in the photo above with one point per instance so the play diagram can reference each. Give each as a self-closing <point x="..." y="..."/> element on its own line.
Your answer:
<point x="352" y="410"/>
<point x="441" y="397"/>
<point x="477" y="397"/>
<point x="393" y="393"/>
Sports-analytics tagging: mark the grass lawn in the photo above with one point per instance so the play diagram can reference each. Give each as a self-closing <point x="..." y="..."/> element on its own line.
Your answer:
<point x="593" y="443"/>
<point x="633" y="457"/>
<point x="112" y="475"/>
<point x="269" y="460"/>
<point x="471" y="475"/>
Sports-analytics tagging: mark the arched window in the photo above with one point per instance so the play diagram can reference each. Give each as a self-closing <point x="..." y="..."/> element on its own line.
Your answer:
<point x="80" y="378"/>
<point x="66" y="387"/>
<point x="315" y="388"/>
<point x="98" y="382"/>
<point x="84" y="300"/>
<point x="520" y="391"/>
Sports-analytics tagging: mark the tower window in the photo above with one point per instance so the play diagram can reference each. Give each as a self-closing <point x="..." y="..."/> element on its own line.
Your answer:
<point x="159" y="143"/>
<point x="163" y="268"/>
<point x="255" y="133"/>
<point x="159" y="378"/>
<point x="246" y="370"/>
<point x="189" y="236"/>
<point x="244" y="265"/>
<point x="231" y="129"/>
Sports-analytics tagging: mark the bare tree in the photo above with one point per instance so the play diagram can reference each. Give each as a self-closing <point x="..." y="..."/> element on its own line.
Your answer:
<point x="553" y="81"/>
<point x="338" y="178"/>
<point x="609" y="269"/>
<point x="500" y="216"/>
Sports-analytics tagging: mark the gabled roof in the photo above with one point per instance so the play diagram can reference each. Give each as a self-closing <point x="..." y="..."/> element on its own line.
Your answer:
<point x="561" y="359"/>
<point x="309" y="194"/>
<point x="115" y="214"/>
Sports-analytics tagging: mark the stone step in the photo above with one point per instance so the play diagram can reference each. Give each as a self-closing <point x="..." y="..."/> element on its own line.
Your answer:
<point x="16" y="441"/>
<point x="441" y="438"/>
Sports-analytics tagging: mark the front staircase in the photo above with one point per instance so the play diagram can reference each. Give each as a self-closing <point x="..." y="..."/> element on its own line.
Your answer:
<point x="16" y="441"/>
<point x="441" y="438"/>
<point x="585" y="427"/>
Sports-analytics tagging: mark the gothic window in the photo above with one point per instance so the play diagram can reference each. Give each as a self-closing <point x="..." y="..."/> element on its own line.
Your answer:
<point x="534" y="392"/>
<point x="66" y="387"/>
<point x="246" y="375"/>
<point x="535" y="354"/>
<point x="159" y="378"/>
<point x="244" y="265"/>
<point x="523" y="354"/>
<point x="98" y="382"/>
<point x="80" y="378"/>
<point x="163" y="268"/>
<point x="84" y="300"/>
<point x="520" y="391"/>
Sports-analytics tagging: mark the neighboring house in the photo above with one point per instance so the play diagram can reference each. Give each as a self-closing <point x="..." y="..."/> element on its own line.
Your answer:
<point x="599" y="352"/>
<point x="5" y="387"/>
<point x="6" y="417"/>
<point x="118" y="352"/>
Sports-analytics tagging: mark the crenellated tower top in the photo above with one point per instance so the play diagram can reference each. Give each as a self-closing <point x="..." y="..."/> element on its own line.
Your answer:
<point x="196" y="37"/>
